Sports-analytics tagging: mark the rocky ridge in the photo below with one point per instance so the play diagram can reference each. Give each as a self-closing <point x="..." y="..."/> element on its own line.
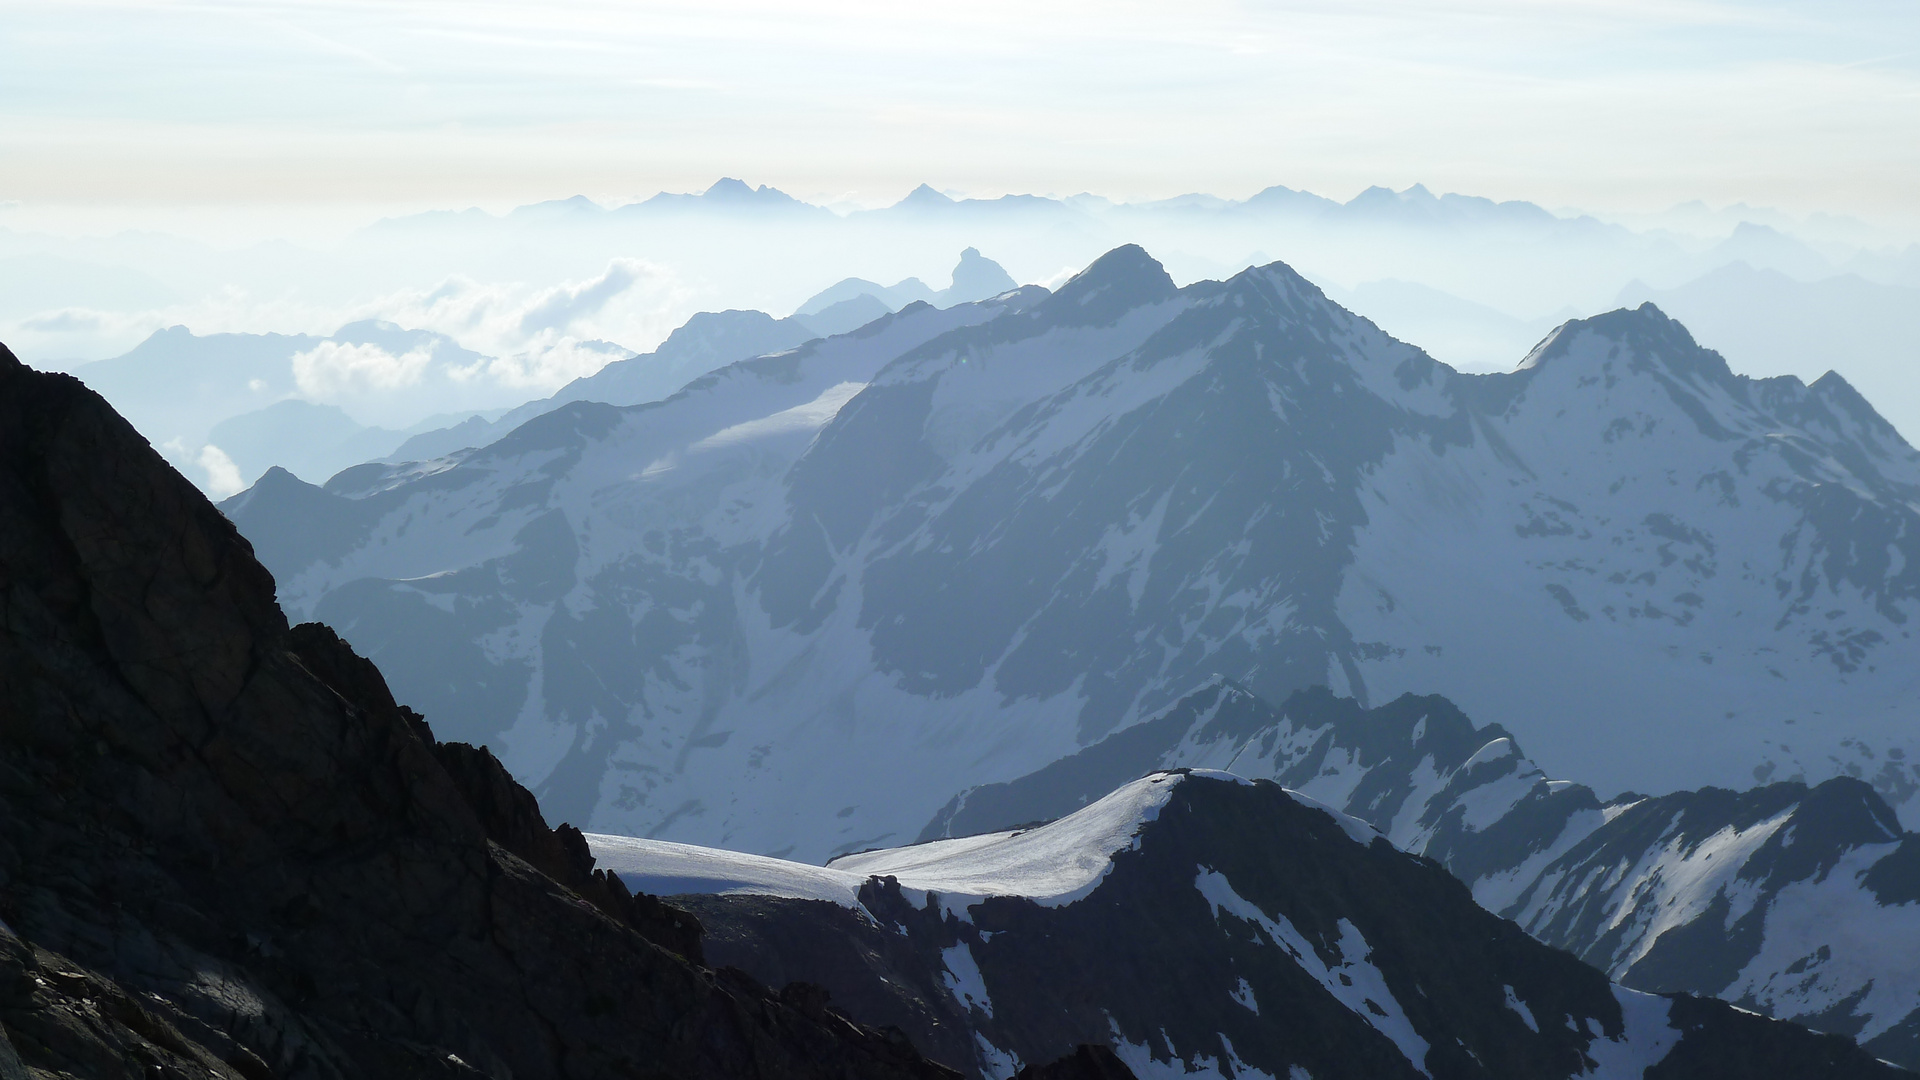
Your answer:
<point x="1793" y="901"/>
<point x="225" y="850"/>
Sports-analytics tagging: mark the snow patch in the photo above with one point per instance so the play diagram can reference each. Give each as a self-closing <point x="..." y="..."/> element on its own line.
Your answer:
<point x="1520" y="1008"/>
<point x="1645" y="1039"/>
<point x="1358" y="831"/>
<point x="808" y="417"/>
<point x="1353" y="981"/>
<point x="963" y="979"/>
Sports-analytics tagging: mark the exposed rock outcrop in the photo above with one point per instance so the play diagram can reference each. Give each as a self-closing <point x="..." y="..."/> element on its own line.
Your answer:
<point x="225" y="850"/>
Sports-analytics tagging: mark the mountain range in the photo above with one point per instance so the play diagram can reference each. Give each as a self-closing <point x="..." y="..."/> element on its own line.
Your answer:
<point x="713" y="339"/>
<point x="227" y="851"/>
<point x="1021" y="525"/>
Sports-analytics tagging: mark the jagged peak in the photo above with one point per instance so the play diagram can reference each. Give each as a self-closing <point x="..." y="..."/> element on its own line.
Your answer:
<point x="1646" y="330"/>
<point x="728" y="189"/>
<point x="1377" y="194"/>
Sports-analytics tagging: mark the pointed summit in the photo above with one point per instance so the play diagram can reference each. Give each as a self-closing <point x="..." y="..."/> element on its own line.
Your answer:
<point x="1118" y="282"/>
<point x="1644" y="332"/>
<point x="1840" y="395"/>
<point x="924" y="197"/>
<point x="1124" y="278"/>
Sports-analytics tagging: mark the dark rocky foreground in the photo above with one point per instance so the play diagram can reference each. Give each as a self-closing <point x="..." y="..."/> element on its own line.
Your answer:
<point x="225" y="851"/>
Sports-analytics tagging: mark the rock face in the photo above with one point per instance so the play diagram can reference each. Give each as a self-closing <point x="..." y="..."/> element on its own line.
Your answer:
<point x="1085" y="1063"/>
<point x="1795" y="902"/>
<point x="765" y="612"/>
<point x="1200" y="923"/>
<point x="225" y="851"/>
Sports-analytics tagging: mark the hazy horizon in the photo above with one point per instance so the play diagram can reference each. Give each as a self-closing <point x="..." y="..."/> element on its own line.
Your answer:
<point x="295" y="166"/>
<point x="1616" y="105"/>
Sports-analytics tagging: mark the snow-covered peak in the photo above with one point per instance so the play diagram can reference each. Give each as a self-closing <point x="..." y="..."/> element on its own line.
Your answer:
<point x="1053" y="864"/>
<point x="1645" y="337"/>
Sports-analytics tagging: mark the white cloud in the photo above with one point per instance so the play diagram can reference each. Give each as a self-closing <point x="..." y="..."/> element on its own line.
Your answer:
<point x="223" y="476"/>
<point x="66" y="321"/>
<point x="550" y="366"/>
<point x="561" y="306"/>
<point x="332" y="369"/>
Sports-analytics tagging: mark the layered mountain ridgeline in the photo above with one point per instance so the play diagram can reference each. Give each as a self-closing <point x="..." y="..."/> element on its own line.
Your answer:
<point x="713" y="339"/>
<point x="1801" y="903"/>
<point x="1200" y="923"/>
<point x="1019" y="526"/>
<point x="225" y="851"/>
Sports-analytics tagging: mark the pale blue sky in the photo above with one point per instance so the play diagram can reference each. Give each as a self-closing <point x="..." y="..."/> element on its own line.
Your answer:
<point x="1596" y="103"/>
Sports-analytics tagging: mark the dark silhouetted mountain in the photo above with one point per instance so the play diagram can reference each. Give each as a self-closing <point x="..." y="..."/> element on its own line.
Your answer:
<point x="225" y="851"/>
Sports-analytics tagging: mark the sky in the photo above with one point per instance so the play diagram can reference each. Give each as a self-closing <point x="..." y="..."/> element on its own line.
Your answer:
<point x="324" y="112"/>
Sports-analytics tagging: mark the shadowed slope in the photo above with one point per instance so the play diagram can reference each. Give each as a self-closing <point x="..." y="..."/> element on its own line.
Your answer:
<point x="224" y="849"/>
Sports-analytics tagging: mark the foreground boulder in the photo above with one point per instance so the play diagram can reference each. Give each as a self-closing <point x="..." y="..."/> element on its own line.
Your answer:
<point x="226" y="851"/>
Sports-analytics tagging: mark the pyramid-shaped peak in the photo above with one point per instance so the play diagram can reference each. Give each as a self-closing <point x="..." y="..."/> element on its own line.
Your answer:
<point x="1128" y="266"/>
<point x="925" y="195"/>
<point x="1118" y="282"/>
<point x="728" y="187"/>
<point x="1840" y="394"/>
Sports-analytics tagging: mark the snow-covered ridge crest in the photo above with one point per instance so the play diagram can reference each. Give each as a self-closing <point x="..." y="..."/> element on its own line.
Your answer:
<point x="1051" y="864"/>
<point x="1177" y="917"/>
